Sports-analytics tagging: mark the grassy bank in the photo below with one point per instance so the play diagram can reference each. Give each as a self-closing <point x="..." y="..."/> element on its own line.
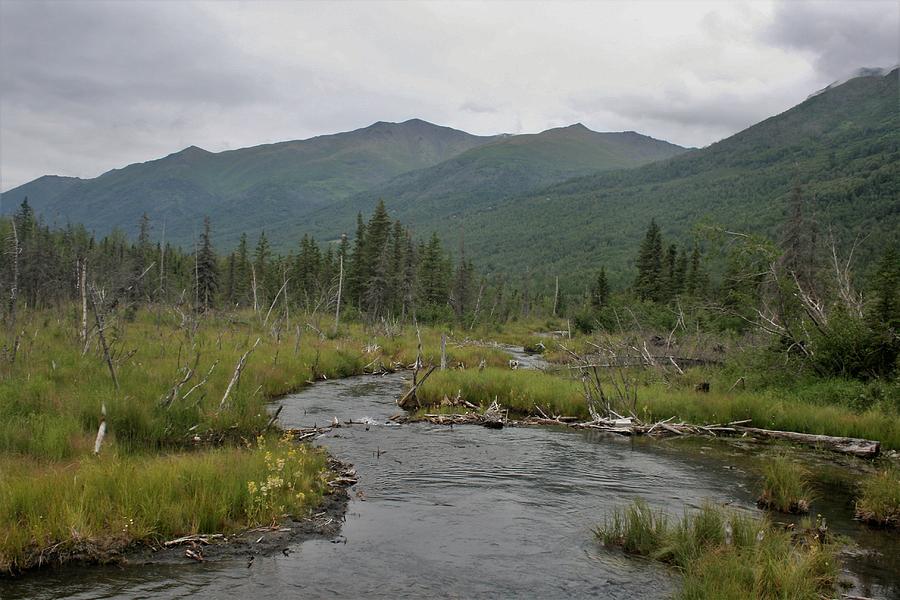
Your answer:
<point x="94" y="508"/>
<point x="724" y="554"/>
<point x="770" y="408"/>
<point x="176" y="459"/>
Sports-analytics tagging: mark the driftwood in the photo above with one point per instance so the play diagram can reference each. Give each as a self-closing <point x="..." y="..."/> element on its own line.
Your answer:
<point x="202" y="538"/>
<point x="237" y="374"/>
<point x="854" y="446"/>
<point x="411" y="393"/>
<point x="632" y="427"/>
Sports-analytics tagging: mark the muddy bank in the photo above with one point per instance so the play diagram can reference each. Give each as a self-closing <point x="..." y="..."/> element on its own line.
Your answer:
<point x="324" y="523"/>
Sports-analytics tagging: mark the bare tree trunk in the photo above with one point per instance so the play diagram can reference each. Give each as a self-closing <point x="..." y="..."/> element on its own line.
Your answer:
<point x="253" y="287"/>
<point x="101" y="431"/>
<point x="196" y="279"/>
<point x="14" y="288"/>
<point x="162" y="270"/>
<point x="443" y="352"/>
<point x="99" y="318"/>
<point x="82" y="287"/>
<point x="337" y="309"/>
<point x="477" y="306"/>
<point x="556" y="296"/>
<point x="237" y="374"/>
<point x="281" y="289"/>
<point x="287" y="310"/>
<point x="14" y="292"/>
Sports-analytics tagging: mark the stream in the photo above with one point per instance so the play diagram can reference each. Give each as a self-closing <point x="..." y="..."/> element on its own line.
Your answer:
<point x="469" y="512"/>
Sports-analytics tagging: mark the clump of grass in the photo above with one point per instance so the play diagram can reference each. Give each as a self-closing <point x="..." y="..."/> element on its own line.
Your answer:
<point x="786" y="486"/>
<point x="725" y="554"/>
<point x="534" y="347"/>
<point x="95" y="508"/>
<point x="638" y="529"/>
<point x="879" y="498"/>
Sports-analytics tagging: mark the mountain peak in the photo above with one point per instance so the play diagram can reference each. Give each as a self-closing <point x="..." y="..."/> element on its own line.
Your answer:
<point x="860" y="72"/>
<point x="194" y="150"/>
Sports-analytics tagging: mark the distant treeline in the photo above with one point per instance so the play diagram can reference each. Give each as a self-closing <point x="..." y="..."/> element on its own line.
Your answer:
<point x="383" y="271"/>
<point x="798" y="289"/>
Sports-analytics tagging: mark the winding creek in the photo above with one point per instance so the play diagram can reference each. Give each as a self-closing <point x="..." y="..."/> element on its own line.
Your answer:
<point x="470" y="512"/>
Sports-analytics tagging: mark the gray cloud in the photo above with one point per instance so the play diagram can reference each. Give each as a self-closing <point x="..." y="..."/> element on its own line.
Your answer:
<point x="840" y="36"/>
<point x="86" y="86"/>
<point x="478" y="107"/>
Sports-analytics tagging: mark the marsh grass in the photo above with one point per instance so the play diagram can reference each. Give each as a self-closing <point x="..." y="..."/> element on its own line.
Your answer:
<point x="786" y="486"/>
<point x="725" y="554"/>
<point x="96" y="507"/>
<point x="561" y="394"/>
<point x="165" y="470"/>
<point x="879" y="498"/>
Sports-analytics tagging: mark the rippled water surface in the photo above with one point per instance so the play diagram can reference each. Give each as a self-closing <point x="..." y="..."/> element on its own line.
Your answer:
<point x="457" y="512"/>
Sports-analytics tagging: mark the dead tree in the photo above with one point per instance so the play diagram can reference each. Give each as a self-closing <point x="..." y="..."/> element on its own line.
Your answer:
<point x="100" y="319"/>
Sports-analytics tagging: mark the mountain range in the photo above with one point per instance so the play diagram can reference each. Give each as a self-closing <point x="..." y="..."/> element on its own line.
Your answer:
<point x="551" y="203"/>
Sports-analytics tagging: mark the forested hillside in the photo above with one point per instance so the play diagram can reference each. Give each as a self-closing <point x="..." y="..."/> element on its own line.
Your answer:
<point x="245" y="190"/>
<point x="509" y="166"/>
<point x="840" y="147"/>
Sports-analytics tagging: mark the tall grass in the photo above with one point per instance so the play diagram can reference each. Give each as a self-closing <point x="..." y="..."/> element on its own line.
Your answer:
<point x="879" y="498"/>
<point x="97" y="506"/>
<point x="51" y="397"/>
<point x="786" y="486"/>
<point x="521" y="390"/>
<point x="152" y="480"/>
<point x="725" y="554"/>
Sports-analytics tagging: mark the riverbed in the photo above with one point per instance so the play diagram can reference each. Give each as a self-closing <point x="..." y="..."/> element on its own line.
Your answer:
<point x="470" y="512"/>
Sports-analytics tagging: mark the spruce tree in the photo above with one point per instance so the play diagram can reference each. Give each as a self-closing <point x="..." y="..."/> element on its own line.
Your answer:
<point x="242" y="275"/>
<point x="886" y="284"/>
<point x="207" y="270"/>
<point x="356" y="270"/>
<point x="600" y="290"/>
<point x="262" y="258"/>
<point x="648" y="284"/>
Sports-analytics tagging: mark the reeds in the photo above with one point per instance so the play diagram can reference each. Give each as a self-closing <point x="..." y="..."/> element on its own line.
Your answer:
<point x="96" y="507"/>
<point x="725" y="554"/>
<point x="786" y="486"/>
<point x="879" y="498"/>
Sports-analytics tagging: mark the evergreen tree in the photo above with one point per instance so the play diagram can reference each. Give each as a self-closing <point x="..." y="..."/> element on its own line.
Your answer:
<point x="356" y="269"/>
<point x="600" y="290"/>
<point x="433" y="274"/>
<point x="262" y="258"/>
<point x="887" y="290"/>
<point x="141" y="260"/>
<point x="230" y="272"/>
<point x="680" y="275"/>
<point x="648" y="284"/>
<point x="695" y="283"/>
<point x="241" y="293"/>
<point x="409" y="283"/>
<point x="670" y="284"/>
<point x="798" y="243"/>
<point x="207" y="272"/>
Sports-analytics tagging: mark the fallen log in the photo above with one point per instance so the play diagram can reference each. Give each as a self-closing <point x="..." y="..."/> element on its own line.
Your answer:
<point x="629" y="427"/>
<point x="853" y="446"/>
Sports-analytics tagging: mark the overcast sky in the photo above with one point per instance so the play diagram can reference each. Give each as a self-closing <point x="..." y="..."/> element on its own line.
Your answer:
<point x="90" y="86"/>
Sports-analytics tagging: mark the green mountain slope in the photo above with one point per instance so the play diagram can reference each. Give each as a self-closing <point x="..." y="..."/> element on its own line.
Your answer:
<point x="243" y="190"/>
<point x="490" y="173"/>
<point x="841" y="145"/>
